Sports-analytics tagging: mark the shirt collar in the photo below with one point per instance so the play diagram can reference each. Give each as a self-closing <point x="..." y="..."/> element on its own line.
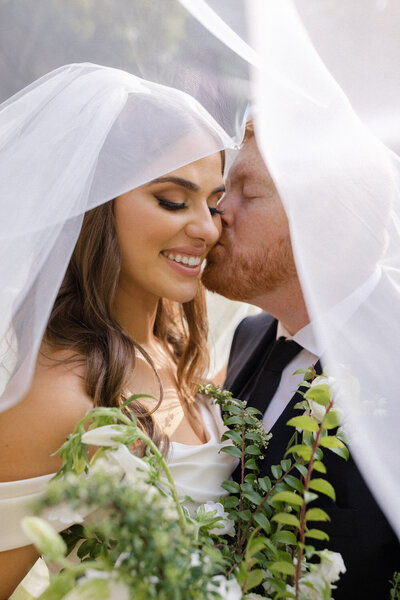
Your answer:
<point x="333" y="319"/>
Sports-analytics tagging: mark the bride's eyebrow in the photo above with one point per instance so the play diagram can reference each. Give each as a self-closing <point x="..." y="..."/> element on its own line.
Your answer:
<point x="185" y="183"/>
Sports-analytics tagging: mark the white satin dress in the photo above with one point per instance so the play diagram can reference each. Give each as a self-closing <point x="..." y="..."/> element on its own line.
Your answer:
<point x="198" y="472"/>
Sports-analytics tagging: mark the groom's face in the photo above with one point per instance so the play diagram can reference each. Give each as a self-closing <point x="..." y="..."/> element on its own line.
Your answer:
<point x="254" y="254"/>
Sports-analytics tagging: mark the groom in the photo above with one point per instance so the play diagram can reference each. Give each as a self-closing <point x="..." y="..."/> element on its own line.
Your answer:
<point x="253" y="262"/>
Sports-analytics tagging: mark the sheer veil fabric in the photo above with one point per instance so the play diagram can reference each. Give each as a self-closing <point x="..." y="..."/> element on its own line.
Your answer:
<point x="323" y="82"/>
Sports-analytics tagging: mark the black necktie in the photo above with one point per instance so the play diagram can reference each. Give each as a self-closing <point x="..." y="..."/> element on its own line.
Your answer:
<point x="281" y="353"/>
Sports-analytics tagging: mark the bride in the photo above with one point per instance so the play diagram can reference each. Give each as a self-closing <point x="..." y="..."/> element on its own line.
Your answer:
<point x="128" y="318"/>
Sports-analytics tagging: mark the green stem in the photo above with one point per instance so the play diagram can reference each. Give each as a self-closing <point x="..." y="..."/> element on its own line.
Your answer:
<point x="239" y="525"/>
<point x="303" y="507"/>
<point x="171" y="484"/>
<point x="267" y="495"/>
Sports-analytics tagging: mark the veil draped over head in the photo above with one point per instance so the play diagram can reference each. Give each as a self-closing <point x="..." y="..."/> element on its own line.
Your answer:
<point x="323" y="83"/>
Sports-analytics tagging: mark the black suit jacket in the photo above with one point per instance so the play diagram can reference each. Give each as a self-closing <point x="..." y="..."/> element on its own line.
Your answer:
<point x="358" y="528"/>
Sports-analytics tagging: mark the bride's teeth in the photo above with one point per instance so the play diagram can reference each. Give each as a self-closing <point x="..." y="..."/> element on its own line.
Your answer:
<point x="192" y="261"/>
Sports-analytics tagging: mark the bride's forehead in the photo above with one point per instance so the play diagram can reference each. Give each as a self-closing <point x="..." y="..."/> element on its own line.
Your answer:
<point x="208" y="168"/>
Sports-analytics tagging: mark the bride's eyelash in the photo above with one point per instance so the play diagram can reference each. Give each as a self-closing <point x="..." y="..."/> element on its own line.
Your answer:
<point x="180" y="206"/>
<point x="215" y="211"/>
<point x="170" y="205"/>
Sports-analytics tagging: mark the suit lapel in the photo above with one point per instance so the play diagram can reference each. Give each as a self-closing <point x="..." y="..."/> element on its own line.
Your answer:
<point x="240" y="379"/>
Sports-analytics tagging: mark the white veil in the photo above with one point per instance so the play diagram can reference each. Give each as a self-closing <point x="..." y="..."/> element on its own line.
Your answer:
<point x="333" y="162"/>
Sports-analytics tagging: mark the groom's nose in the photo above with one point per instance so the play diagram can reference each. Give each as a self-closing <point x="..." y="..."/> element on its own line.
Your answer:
<point x="228" y="204"/>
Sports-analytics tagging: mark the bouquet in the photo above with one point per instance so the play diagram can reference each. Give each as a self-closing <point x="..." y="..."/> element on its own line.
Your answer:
<point x="141" y="541"/>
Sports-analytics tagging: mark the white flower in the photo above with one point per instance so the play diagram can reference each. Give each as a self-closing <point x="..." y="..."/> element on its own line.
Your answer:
<point x="45" y="537"/>
<point x="123" y="556"/>
<point x="308" y="593"/>
<point x="119" y="459"/>
<point x="228" y="526"/>
<point x="104" y="464"/>
<point x="99" y="584"/>
<point x="64" y="513"/>
<point x="331" y="566"/>
<point x="253" y="596"/>
<point x="269" y="589"/>
<point x="91" y="574"/>
<point x="118" y="591"/>
<point x="326" y="572"/>
<point x="195" y="559"/>
<point x="317" y="411"/>
<point x="228" y="589"/>
<point x="102" y="436"/>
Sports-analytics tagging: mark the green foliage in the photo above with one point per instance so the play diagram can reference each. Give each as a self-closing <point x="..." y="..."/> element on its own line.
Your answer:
<point x="395" y="589"/>
<point x="146" y="540"/>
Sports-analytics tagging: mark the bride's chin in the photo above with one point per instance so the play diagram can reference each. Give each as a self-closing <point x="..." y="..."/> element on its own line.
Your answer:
<point x="184" y="296"/>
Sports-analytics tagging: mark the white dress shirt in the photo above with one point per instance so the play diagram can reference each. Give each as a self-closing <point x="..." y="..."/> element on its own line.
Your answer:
<point x="328" y="324"/>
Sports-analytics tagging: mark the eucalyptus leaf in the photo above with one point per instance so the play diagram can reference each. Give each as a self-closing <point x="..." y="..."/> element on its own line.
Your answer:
<point x="254" y="578"/>
<point x="323" y="486"/>
<point x="317" y="514"/>
<point x="234" y="420"/>
<point x="265" y="483"/>
<point x="286" y="519"/>
<point x="302" y="450"/>
<point x="252" y="435"/>
<point x="231" y="501"/>
<point x="319" y="466"/>
<point x="289" y="497"/>
<point x="302" y="469"/>
<point x="253" y="450"/>
<point x="251" y="464"/>
<point x="317" y="534"/>
<point x="295" y="483"/>
<point x="253" y="497"/>
<point x="232" y="450"/>
<point x="262" y="521"/>
<point x="330" y="441"/>
<point x="233" y="435"/>
<point x="319" y="394"/>
<point x="276" y="471"/>
<point x="331" y="420"/>
<point x="231" y="486"/>
<point x="342" y="452"/>
<point x="303" y="422"/>
<point x="286" y="464"/>
<point x="284" y="537"/>
<point x="255" y="544"/>
<point x="283" y="567"/>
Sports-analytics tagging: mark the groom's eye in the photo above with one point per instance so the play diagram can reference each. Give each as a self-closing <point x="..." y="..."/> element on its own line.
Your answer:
<point x="168" y="205"/>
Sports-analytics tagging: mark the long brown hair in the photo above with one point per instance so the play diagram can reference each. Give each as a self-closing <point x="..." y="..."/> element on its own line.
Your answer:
<point x="81" y="321"/>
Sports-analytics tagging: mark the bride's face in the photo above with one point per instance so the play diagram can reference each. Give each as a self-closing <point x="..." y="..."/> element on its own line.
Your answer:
<point x="166" y="227"/>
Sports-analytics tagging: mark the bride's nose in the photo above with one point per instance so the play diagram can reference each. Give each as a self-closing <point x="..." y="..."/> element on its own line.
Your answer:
<point x="204" y="226"/>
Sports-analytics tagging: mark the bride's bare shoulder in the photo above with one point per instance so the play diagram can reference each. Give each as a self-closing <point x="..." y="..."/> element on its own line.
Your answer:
<point x="37" y="426"/>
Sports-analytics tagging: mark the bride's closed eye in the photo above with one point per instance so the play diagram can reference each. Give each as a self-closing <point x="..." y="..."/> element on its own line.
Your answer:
<point x="168" y="205"/>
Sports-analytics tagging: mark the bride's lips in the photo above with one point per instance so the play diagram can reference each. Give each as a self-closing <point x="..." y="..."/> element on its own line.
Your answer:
<point x="191" y="256"/>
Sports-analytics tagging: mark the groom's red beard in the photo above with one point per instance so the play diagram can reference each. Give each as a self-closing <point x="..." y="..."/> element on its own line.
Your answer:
<point x="244" y="276"/>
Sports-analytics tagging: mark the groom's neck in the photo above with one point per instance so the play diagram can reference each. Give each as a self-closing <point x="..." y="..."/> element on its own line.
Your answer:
<point x="286" y="304"/>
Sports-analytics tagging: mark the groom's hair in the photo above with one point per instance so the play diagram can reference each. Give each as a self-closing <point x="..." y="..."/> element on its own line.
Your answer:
<point x="249" y="131"/>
